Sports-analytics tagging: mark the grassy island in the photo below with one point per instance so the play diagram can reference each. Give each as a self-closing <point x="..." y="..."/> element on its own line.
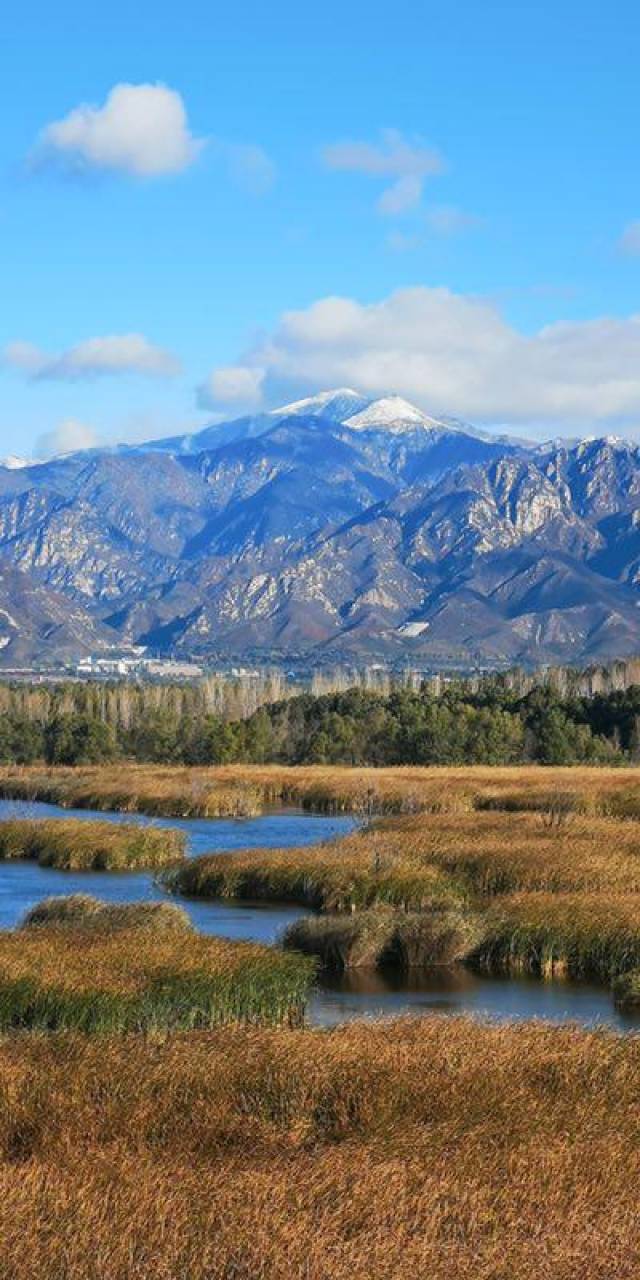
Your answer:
<point x="98" y="971"/>
<point x="75" y="845"/>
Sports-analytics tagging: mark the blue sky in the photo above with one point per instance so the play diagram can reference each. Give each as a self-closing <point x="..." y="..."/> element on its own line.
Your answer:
<point x="438" y="199"/>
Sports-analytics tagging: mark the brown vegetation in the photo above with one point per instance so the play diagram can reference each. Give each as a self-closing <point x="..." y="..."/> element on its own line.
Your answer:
<point x="242" y="790"/>
<point x="499" y="890"/>
<point x="75" y="845"/>
<point x="431" y="1148"/>
<point x="76" y="909"/>
<point x="103" y="978"/>
<point x="409" y="861"/>
<point x="384" y="937"/>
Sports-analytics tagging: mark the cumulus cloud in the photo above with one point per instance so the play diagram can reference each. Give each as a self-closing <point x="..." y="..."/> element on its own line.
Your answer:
<point x="141" y="129"/>
<point x="114" y="354"/>
<point x="68" y="437"/>
<point x="409" y="162"/>
<point x="629" y="241"/>
<point x="452" y="353"/>
<point x="237" y="387"/>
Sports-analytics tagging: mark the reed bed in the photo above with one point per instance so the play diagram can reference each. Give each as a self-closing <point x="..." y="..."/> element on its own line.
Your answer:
<point x="408" y="862"/>
<point x="363" y="870"/>
<point x="246" y="790"/>
<point x="501" y="852"/>
<point x="102" y="979"/>
<point x="82" y="909"/>
<point x="562" y="935"/>
<point x="75" y="845"/>
<point x="437" y="1148"/>
<point x="381" y="938"/>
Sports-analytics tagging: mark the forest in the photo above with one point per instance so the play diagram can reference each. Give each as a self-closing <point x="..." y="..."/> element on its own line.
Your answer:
<point x="484" y="722"/>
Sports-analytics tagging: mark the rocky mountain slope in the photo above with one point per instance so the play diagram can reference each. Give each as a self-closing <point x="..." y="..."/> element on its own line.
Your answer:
<point x="336" y="527"/>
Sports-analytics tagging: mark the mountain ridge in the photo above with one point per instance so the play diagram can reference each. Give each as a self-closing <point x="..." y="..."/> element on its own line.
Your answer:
<point x="338" y="525"/>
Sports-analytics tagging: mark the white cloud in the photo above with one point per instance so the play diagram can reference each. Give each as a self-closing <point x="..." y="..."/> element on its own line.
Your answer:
<point x="454" y="354"/>
<point x="408" y="162"/>
<point x="629" y="241"/>
<point x="238" y="387"/>
<point x="68" y="437"/>
<point x="114" y="354"/>
<point x="24" y="356"/>
<point x="141" y="129"/>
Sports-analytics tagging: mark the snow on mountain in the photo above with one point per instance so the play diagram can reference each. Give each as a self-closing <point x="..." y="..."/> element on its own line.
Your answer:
<point x="391" y="413"/>
<point x="339" y="405"/>
<point x="355" y="525"/>
<point x="13" y="463"/>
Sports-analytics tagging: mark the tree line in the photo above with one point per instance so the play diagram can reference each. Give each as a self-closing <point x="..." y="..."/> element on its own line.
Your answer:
<point x="487" y="722"/>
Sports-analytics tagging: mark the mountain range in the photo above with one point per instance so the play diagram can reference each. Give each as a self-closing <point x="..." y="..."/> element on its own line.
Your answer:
<point x="337" y="527"/>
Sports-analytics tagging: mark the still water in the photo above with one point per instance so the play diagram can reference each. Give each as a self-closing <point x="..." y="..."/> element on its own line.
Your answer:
<point x="354" y="995"/>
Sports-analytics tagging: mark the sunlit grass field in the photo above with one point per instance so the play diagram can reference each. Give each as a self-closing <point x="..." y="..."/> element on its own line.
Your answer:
<point x="176" y="1121"/>
<point x="435" y="1148"/>
<point x="550" y="892"/>
<point x="245" y="790"/>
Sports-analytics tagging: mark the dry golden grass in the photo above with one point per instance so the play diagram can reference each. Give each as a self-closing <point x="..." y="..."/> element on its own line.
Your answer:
<point x="232" y="790"/>
<point x="409" y="861"/>
<point x="432" y="1148"/>
<point x="503" y="852"/>
<point x="82" y="909"/>
<point x="577" y="935"/>
<point x="421" y="889"/>
<point x="75" y="845"/>
<point x="131" y="979"/>
<point x="361" y="870"/>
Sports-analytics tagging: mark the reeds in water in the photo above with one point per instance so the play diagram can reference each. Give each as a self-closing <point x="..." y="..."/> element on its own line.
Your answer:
<point x="108" y="976"/>
<point x="70" y="844"/>
<point x="245" y="790"/>
<point x="383" y="937"/>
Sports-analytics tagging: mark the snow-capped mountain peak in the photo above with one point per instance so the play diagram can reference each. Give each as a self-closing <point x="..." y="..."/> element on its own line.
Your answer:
<point x="338" y="404"/>
<point x="391" y="413"/>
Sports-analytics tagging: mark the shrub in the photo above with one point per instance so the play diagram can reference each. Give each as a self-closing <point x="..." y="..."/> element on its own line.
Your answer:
<point x="381" y="937"/>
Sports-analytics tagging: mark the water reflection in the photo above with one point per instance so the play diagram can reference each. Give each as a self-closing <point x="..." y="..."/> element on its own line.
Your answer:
<point x="24" y="883"/>
<point x="360" y="993"/>
<point x="370" y="993"/>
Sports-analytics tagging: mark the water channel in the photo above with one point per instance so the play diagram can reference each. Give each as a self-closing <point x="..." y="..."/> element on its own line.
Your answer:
<point x="353" y="995"/>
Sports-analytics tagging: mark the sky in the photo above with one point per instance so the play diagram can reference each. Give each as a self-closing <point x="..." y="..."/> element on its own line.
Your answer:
<point x="206" y="210"/>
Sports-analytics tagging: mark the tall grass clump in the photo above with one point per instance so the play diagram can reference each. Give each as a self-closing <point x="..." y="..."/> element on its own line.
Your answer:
<point x="82" y="909"/>
<point x="562" y="935"/>
<point x="382" y="937"/>
<point x="626" y="991"/>
<point x="366" y="869"/>
<point x="70" y="844"/>
<point x="102" y="979"/>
